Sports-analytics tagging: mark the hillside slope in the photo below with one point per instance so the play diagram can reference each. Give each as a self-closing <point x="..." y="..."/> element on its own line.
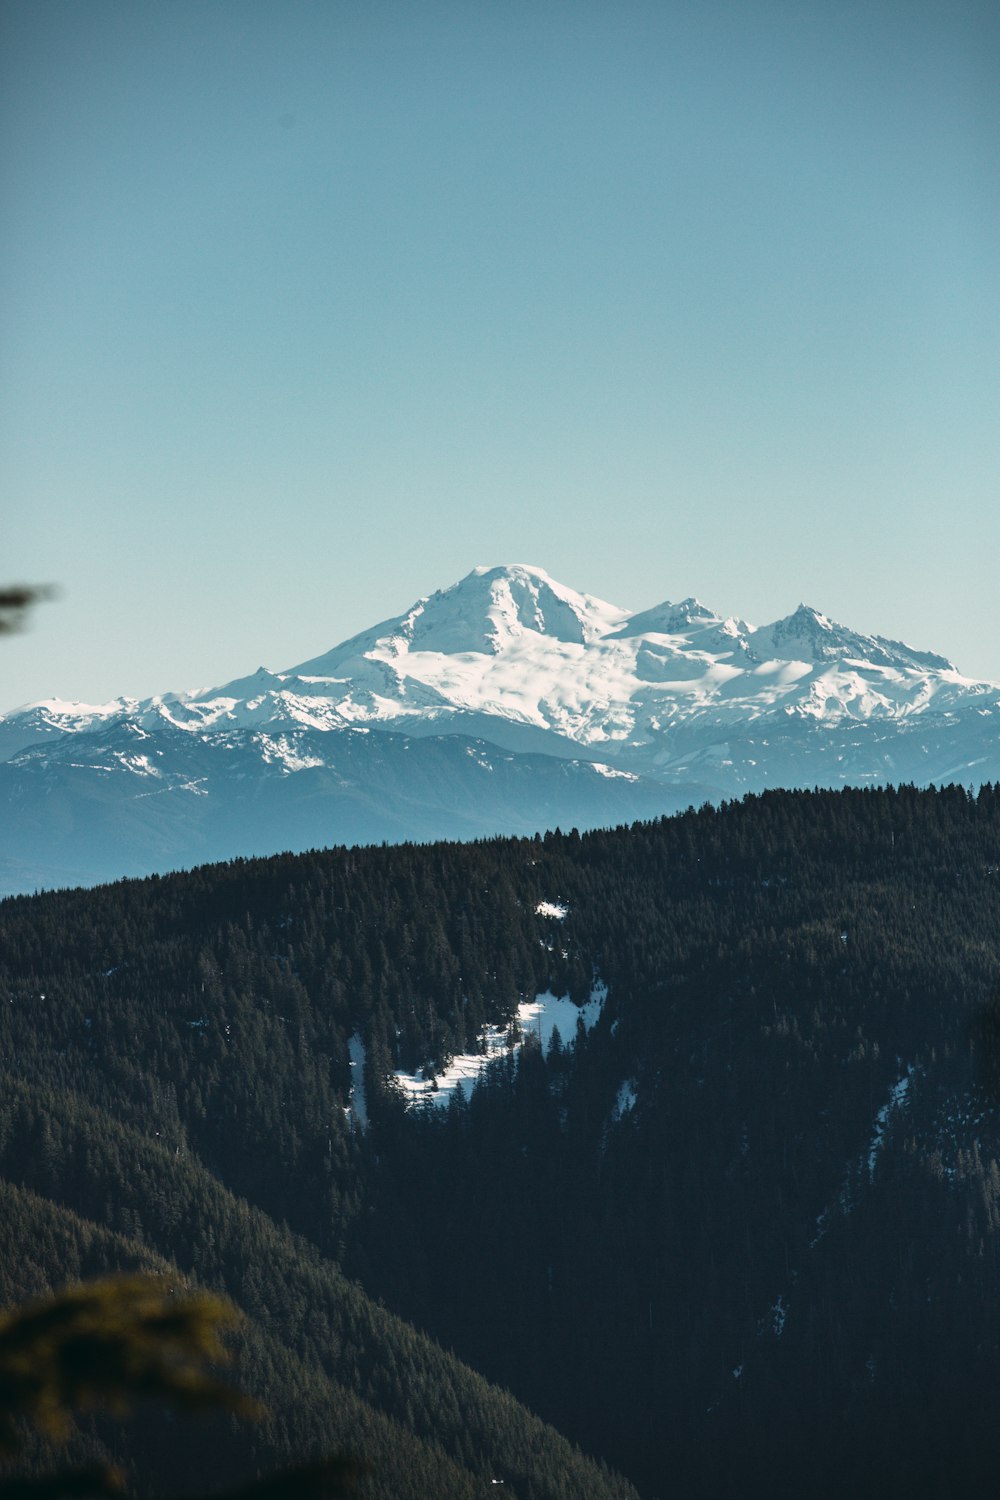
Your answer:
<point x="735" y="1229"/>
<point x="84" y="1195"/>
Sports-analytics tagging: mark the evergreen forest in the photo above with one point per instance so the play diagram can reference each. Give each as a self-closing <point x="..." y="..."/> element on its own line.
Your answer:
<point x="740" y="1236"/>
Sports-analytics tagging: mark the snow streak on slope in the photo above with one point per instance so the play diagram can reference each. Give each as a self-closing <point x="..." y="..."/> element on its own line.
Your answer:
<point x="895" y="1101"/>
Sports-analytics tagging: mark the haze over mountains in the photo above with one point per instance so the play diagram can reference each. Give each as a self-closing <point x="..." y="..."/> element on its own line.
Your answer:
<point x="504" y="704"/>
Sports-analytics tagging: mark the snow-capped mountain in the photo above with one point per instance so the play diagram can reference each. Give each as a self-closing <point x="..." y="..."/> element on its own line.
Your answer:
<point x="505" y="703"/>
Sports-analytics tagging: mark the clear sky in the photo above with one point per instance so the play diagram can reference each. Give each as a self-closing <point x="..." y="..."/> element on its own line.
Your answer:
<point x="308" y="308"/>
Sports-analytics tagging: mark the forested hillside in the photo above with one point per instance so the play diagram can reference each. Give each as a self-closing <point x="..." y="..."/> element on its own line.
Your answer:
<point x="738" y="1238"/>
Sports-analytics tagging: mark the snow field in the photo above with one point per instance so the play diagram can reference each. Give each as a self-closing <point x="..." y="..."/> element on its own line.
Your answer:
<point x="512" y="644"/>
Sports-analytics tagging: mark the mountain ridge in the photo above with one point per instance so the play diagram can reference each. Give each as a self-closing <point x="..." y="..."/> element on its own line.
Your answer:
<point x="683" y="703"/>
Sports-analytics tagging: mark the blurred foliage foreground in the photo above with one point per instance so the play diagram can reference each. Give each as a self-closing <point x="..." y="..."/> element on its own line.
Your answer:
<point x="110" y="1343"/>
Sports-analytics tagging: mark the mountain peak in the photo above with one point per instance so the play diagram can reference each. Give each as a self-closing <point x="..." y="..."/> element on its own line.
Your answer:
<point x="481" y="614"/>
<point x="809" y="635"/>
<point x="671" y="619"/>
<point x="518" y="571"/>
<point x="491" y="606"/>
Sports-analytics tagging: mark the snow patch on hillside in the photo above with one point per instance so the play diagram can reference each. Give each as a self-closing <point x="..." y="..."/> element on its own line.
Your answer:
<point x="278" y="750"/>
<point x="540" y="1017"/>
<point x="548" y="1013"/>
<point x="611" y="773"/>
<point x="626" y="1099"/>
<point x="357" y="1101"/>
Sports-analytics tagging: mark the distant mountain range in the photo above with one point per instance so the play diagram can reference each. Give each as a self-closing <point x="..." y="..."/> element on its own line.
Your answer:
<point x="507" y="703"/>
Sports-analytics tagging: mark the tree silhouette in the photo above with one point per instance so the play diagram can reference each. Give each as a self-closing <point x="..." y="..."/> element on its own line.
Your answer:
<point x="17" y="599"/>
<point x="110" y="1343"/>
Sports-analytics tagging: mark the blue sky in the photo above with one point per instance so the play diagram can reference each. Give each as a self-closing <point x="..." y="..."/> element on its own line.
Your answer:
<point x="308" y="308"/>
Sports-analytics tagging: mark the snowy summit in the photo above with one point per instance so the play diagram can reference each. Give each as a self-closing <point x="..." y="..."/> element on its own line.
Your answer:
<point x="574" y="710"/>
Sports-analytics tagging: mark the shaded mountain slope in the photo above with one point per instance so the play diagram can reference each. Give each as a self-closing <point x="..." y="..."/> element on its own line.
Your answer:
<point x="44" y="1244"/>
<point x="337" y="1371"/>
